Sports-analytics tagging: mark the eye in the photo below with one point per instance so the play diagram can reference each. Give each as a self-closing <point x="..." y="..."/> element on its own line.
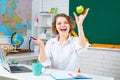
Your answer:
<point x="59" y="23"/>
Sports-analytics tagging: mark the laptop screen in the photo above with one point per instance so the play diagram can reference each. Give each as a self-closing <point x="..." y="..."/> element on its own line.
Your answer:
<point x="9" y="67"/>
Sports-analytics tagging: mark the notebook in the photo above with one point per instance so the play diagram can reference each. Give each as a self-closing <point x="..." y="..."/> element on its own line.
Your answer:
<point x="69" y="76"/>
<point x="10" y="67"/>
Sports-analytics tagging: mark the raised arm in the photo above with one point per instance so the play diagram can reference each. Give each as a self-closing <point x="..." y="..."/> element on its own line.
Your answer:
<point x="79" y="21"/>
<point x="40" y="43"/>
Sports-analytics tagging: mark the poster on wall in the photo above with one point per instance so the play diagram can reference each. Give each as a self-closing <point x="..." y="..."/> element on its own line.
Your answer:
<point x="15" y="16"/>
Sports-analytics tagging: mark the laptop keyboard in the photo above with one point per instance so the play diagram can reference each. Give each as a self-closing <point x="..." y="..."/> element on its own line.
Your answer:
<point x="15" y="68"/>
<point x="20" y="69"/>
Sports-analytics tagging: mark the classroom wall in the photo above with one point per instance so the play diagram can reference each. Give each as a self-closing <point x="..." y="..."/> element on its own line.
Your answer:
<point x="101" y="61"/>
<point x="45" y="6"/>
<point x="5" y="40"/>
<point x="63" y="7"/>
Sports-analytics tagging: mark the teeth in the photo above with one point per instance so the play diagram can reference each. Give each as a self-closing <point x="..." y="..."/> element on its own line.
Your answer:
<point x="63" y="29"/>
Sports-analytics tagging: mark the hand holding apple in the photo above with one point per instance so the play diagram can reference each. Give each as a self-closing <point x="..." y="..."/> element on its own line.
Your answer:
<point x="80" y="18"/>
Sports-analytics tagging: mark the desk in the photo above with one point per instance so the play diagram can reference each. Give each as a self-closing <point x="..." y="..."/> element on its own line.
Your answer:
<point x="45" y="76"/>
<point x="23" y="56"/>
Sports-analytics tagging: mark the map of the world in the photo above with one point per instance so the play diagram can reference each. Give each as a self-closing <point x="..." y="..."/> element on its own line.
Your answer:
<point x="15" y="16"/>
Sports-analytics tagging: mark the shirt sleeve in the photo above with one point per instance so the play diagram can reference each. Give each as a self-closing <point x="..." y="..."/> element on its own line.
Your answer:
<point x="74" y="62"/>
<point x="79" y="49"/>
<point x="48" y="46"/>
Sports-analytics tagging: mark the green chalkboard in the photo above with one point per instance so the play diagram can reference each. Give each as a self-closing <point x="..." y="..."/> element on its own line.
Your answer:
<point x="102" y="24"/>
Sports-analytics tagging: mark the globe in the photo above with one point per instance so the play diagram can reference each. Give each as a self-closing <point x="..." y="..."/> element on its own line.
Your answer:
<point x="17" y="39"/>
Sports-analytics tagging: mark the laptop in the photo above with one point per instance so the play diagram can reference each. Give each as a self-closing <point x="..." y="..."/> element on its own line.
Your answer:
<point x="10" y="67"/>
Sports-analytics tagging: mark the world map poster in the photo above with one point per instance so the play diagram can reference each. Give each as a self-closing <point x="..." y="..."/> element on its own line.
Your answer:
<point x="15" y="16"/>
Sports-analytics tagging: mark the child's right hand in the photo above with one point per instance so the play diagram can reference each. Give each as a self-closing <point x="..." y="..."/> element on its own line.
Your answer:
<point x="38" y="41"/>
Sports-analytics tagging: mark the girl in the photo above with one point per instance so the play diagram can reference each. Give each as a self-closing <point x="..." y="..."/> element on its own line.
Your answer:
<point x="62" y="52"/>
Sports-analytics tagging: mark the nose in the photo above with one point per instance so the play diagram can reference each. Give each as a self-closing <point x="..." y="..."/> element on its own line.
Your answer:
<point x="63" y="24"/>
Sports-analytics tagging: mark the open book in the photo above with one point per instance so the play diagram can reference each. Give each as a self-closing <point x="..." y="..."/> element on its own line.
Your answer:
<point x="67" y="76"/>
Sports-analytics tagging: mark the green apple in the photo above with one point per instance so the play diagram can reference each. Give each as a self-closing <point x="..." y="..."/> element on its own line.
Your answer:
<point x="80" y="9"/>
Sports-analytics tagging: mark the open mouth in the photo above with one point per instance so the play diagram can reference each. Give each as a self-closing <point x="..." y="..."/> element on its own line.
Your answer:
<point x="63" y="29"/>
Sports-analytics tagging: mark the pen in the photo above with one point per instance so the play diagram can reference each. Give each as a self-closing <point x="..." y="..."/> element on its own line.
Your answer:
<point x="33" y="38"/>
<point x="70" y="74"/>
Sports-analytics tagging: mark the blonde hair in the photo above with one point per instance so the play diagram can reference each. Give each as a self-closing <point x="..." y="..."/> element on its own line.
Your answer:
<point x="69" y="19"/>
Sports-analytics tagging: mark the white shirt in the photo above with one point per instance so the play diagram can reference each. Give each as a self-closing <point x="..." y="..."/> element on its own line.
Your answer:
<point x="64" y="57"/>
